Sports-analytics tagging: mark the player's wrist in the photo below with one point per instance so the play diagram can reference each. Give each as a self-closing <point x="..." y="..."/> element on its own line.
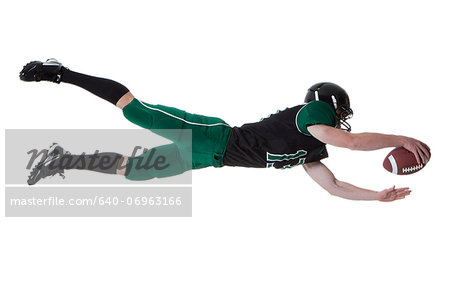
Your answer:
<point x="401" y="141"/>
<point x="379" y="196"/>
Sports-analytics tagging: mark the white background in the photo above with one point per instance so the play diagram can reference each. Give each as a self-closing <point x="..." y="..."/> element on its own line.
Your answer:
<point x="257" y="237"/>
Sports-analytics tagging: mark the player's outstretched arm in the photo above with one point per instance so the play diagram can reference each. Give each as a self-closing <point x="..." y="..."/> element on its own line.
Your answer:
<point x="325" y="178"/>
<point x="369" y="141"/>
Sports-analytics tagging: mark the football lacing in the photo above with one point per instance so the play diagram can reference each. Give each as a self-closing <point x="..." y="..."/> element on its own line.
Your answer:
<point x="412" y="168"/>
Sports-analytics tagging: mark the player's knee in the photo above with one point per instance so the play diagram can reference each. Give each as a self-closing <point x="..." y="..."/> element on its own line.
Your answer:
<point x="137" y="115"/>
<point x="125" y="100"/>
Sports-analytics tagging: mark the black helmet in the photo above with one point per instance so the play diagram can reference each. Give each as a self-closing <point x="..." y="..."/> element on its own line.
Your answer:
<point x="336" y="97"/>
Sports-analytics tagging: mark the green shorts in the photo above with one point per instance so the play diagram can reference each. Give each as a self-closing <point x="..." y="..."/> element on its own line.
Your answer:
<point x="205" y="147"/>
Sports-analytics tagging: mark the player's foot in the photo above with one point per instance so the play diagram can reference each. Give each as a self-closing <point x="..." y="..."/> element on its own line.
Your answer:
<point x="50" y="166"/>
<point x="50" y="70"/>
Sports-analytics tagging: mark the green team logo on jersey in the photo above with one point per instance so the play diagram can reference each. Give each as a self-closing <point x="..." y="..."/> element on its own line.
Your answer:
<point x="272" y="158"/>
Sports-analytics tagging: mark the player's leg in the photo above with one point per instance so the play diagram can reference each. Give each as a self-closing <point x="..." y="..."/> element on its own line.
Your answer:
<point x="158" y="162"/>
<point x="209" y="134"/>
<point x="53" y="71"/>
<point x="143" y="114"/>
<point x="207" y="139"/>
<point x="57" y="160"/>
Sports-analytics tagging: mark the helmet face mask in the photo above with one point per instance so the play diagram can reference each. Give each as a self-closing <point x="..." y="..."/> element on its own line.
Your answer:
<point x="344" y="114"/>
<point x="336" y="97"/>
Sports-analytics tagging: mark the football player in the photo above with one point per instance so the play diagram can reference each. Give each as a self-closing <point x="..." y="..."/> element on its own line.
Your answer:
<point x="292" y="137"/>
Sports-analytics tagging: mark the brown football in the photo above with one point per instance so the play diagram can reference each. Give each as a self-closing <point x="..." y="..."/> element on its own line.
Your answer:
<point x="402" y="162"/>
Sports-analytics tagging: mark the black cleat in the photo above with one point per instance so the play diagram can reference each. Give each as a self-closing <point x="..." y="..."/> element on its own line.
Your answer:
<point x="51" y="70"/>
<point x="50" y="166"/>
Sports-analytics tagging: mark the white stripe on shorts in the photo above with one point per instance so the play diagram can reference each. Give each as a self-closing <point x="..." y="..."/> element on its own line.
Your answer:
<point x="182" y="119"/>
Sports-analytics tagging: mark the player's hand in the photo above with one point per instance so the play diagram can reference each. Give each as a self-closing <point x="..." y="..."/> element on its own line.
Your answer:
<point x="392" y="194"/>
<point x="420" y="150"/>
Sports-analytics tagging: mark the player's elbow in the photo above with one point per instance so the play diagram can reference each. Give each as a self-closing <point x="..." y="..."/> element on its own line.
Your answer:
<point x="333" y="188"/>
<point x="334" y="192"/>
<point x="353" y="142"/>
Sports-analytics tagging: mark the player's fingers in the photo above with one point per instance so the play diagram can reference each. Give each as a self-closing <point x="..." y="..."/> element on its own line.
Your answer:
<point x="416" y="155"/>
<point x="403" y="195"/>
<point x="426" y="146"/>
<point x="423" y="158"/>
<point x="427" y="150"/>
<point x="424" y="152"/>
<point x="404" y="190"/>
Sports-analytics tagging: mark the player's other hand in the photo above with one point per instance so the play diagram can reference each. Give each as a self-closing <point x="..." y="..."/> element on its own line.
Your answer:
<point x="392" y="194"/>
<point x="420" y="150"/>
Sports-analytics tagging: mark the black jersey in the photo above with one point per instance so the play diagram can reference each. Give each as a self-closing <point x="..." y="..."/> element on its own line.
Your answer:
<point x="276" y="141"/>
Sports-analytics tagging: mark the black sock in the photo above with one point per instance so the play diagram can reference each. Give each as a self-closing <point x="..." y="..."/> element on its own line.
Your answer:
<point x="104" y="162"/>
<point x="107" y="89"/>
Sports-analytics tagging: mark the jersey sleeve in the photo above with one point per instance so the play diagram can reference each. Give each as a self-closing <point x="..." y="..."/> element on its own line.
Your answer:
<point x="315" y="113"/>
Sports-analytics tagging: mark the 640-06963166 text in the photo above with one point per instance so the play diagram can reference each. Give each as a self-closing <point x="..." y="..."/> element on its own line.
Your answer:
<point x="99" y="201"/>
